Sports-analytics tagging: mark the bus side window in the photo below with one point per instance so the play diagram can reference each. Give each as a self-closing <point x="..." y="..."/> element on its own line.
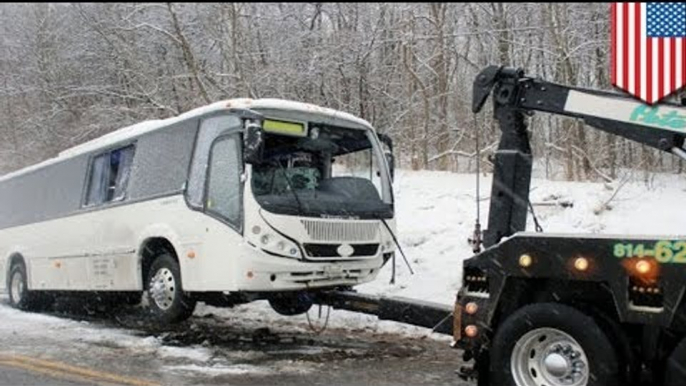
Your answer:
<point x="224" y="185"/>
<point x="109" y="176"/>
<point x="120" y="170"/>
<point x="97" y="180"/>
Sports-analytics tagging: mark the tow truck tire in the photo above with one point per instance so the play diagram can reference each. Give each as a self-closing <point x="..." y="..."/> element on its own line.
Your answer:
<point x="168" y="303"/>
<point x="545" y="343"/>
<point x="629" y="365"/>
<point x="675" y="372"/>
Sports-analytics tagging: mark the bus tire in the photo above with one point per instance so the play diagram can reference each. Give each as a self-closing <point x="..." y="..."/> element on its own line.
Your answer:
<point x="168" y="303"/>
<point x="546" y="343"/>
<point x="19" y="295"/>
<point x="675" y="371"/>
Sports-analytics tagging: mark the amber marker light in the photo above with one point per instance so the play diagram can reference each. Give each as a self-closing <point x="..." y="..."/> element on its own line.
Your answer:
<point x="525" y="261"/>
<point x="471" y="308"/>
<point x="471" y="331"/>
<point x="646" y="270"/>
<point x="581" y="264"/>
<point x="643" y="267"/>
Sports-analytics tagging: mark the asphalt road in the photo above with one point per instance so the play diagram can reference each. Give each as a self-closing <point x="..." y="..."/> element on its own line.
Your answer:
<point x="10" y="376"/>
<point x="85" y="349"/>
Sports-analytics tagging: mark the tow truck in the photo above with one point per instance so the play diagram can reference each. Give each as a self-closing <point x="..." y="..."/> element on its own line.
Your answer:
<point x="559" y="309"/>
<point x="552" y="309"/>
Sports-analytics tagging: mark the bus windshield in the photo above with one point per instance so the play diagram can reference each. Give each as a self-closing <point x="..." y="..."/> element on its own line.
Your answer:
<point x="333" y="171"/>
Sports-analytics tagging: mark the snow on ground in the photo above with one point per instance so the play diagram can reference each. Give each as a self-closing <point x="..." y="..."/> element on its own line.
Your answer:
<point x="59" y="330"/>
<point x="436" y="213"/>
<point x="239" y="369"/>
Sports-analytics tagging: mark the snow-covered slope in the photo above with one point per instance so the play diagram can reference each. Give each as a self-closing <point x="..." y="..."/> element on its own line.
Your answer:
<point x="436" y="213"/>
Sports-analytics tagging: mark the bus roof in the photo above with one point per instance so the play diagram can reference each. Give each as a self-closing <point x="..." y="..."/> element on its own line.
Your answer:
<point x="152" y="125"/>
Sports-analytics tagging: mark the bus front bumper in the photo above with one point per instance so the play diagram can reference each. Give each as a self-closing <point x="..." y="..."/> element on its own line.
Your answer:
<point x="271" y="273"/>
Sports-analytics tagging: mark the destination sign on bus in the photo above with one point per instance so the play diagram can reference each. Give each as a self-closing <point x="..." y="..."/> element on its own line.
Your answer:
<point x="296" y="129"/>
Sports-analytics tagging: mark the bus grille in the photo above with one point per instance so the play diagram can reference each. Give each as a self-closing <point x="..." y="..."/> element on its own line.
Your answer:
<point x="331" y="250"/>
<point x="341" y="231"/>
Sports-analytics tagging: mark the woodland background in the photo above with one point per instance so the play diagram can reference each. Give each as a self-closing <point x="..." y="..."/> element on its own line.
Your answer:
<point x="72" y="72"/>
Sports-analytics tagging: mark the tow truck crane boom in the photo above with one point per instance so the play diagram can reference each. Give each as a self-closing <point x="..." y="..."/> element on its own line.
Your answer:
<point x="662" y="127"/>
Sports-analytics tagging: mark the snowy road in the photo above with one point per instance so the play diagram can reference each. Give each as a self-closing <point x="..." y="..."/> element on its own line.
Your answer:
<point x="241" y="346"/>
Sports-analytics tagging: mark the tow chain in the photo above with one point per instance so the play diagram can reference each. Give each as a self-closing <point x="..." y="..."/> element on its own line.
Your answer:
<point x="326" y="321"/>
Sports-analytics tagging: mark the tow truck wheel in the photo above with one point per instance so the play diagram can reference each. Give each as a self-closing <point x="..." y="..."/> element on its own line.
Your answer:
<point x="629" y="365"/>
<point x="675" y="373"/>
<point x="553" y="345"/>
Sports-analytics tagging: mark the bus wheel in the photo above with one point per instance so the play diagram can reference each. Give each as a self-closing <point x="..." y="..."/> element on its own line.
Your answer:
<point x="554" y="345"/>
<point x="168" y="302"/>
<point x="19" y="294"/>
<point x="675" y="373"/>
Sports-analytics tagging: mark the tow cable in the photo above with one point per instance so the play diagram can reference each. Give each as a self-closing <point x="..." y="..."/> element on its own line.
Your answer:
<point x="476" y="237"/>
<point x="326" y="321"/>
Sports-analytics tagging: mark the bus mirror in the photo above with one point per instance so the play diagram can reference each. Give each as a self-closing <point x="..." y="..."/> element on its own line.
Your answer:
<point x="253" y="143"/>
<point x="390" y="159"/>
<point x="388" y="153"/>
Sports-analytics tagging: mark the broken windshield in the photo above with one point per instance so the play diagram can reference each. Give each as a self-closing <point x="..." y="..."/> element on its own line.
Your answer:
<point x="334" y="171"/>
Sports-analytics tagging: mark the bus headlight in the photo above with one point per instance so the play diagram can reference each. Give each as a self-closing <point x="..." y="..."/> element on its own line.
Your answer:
<point x="276" y="244"/>
<point x="269" y="240"/>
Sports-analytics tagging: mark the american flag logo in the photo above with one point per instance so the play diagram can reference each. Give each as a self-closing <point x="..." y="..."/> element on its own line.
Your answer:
<point x="649" y="48"/>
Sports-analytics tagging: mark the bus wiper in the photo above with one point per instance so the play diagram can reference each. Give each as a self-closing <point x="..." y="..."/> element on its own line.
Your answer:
<point x="290" y="187"/>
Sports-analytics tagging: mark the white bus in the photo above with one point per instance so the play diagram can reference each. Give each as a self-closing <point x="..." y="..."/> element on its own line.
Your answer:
<point x="232" y="202"/>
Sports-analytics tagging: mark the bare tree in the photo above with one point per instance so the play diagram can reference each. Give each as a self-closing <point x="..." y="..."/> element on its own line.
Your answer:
<point x="71" y="72"/>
